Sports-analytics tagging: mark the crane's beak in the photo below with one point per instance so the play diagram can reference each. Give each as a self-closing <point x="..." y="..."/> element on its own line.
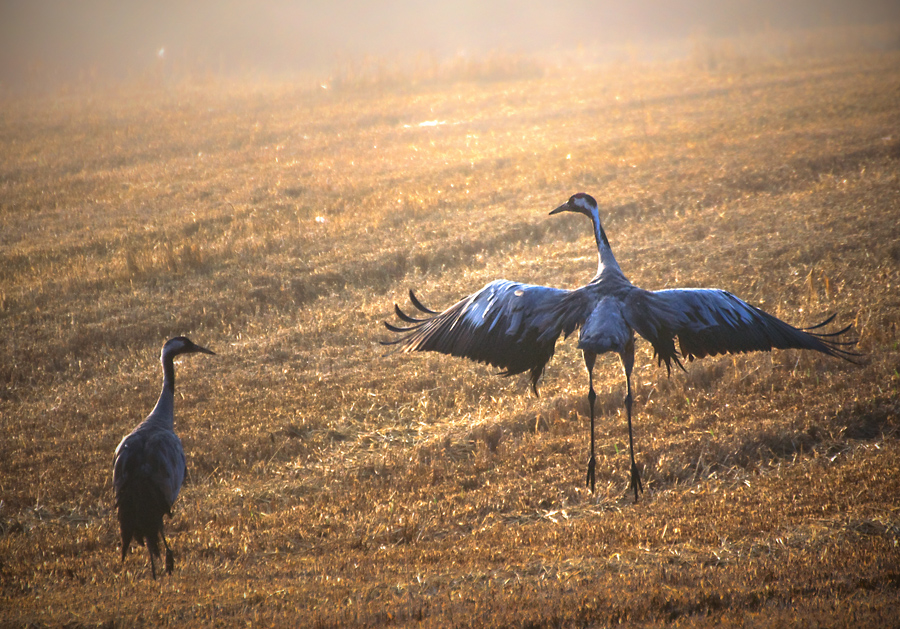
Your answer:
<point x="203" y="350"/>
<point x="565" y="207"/>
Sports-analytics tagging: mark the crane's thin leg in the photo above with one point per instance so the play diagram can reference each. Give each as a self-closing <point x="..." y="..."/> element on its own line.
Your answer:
<point x="628" y="364"/>
<point x="589" y="359"/>
<point x="170" y="558"/>
<point x="152" y="562"/>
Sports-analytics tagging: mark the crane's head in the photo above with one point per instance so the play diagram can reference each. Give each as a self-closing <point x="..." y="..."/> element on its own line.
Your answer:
<point x="587" y="205"/>
<point x="579" y="202"/>
<point x="181" y="345"/>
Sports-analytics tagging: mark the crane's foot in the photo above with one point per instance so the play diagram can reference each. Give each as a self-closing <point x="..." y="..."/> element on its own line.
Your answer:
<point x="635" y="485"/>
<point x="591" y="481"/>
<point x="170" y="561"/>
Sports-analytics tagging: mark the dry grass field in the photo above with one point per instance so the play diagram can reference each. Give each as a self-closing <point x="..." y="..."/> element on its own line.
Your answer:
<point x="331" y="485"/>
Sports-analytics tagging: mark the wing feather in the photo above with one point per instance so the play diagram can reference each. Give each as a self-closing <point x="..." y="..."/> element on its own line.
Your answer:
<point x="165" y="464"/>
<point x="506" y="324"/>
<point x="707" y="322"/>
<point x="150" y="459"/>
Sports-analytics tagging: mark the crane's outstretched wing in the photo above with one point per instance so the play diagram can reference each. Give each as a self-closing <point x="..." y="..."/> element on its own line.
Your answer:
<point x="507" y="325"/>
<point x="711" y="321"/>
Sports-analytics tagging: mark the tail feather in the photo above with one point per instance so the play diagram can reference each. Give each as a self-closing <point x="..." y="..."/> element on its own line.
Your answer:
<point x="141" y="507"/>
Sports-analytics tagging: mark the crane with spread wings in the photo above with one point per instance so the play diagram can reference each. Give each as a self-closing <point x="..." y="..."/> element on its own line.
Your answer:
<point x="515" y="326"/>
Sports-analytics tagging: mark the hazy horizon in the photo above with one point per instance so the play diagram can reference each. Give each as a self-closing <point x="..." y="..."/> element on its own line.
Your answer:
<point x="61" y="40"/>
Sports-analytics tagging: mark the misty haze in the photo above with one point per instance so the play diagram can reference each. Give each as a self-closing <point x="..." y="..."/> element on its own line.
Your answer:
<point x="61" y="41"/>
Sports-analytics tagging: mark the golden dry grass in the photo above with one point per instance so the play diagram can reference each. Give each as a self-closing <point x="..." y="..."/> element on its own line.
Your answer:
<point x="330" y="485"/>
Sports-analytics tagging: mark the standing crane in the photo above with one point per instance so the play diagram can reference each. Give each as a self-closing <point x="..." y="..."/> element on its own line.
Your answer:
<point x="515" y="326"/>
<point x="149" y="466"/>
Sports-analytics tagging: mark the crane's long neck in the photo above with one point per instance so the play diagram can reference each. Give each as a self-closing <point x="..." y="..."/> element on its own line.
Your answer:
<point x="164" y="411"/>
<point x="606" y="260"/>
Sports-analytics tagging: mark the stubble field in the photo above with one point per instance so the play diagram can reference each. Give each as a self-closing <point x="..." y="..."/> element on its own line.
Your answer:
<point x="332" y="485"/>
